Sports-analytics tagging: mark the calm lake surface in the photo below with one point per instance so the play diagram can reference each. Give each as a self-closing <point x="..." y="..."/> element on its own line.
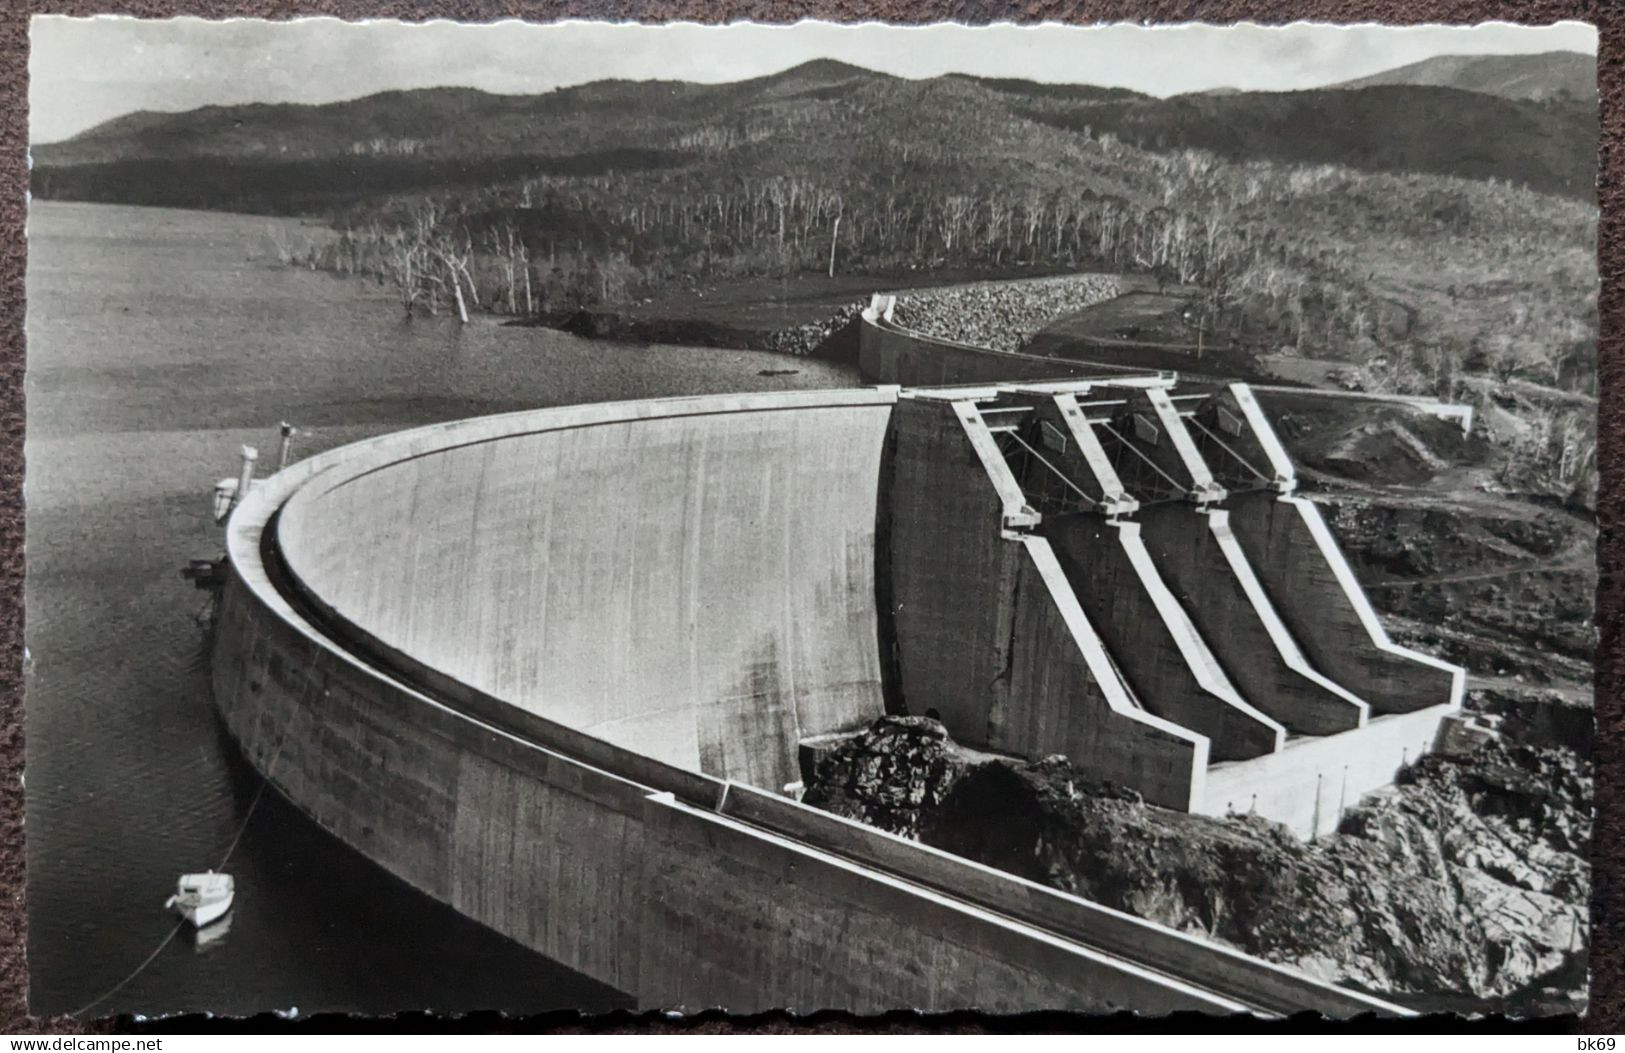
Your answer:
<point x="160" y="341"/>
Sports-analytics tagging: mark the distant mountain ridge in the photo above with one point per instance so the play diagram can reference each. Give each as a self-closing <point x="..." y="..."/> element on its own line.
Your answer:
<point x="1392" y="128"/>
<point x="1548" y="75"/>
<point x="824" y="116"/>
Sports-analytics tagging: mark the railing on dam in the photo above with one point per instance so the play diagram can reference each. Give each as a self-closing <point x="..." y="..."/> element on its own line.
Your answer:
<point x="680" y="887"/>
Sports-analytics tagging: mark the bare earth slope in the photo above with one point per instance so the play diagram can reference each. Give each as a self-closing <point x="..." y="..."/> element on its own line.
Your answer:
<point x="1549" y="75"/>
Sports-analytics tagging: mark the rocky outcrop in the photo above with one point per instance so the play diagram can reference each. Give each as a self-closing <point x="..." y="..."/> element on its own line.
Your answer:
<point x="1000" y="315"/>
<point x="1465" y="886"/>
<point x="891" y="775"/>
<point x="1548" y="718"/>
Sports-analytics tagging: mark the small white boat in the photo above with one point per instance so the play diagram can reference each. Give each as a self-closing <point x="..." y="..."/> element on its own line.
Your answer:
<point x="202" y="898"/>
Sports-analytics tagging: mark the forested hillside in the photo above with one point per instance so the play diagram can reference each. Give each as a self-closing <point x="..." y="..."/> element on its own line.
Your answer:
<point x="1420" y="231"/>
<point x="434" y="136"/>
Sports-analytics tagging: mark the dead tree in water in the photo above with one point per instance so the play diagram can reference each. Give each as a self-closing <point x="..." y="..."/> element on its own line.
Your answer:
<point x="503" y="254"/>
<point x="409" y="255"/>
<point x="282" y="243"/>
<point x="403" y="260"/>
<point x="524" y="265"/>
<point x="511" y="256"/>
<point x="453" y="264"/>
<point x="452" y="255"/>
<point x="406" y="256"/>
<point x="456" y="288"/>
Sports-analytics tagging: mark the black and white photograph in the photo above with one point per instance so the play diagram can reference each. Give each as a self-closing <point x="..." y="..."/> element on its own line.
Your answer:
<point x="668" y="517"/>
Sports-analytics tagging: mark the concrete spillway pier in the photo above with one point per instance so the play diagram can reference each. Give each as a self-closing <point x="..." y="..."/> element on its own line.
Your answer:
<point x="554" y="669"/>
<point x="1180" y="642"/>
<point x="1222" y="659"/>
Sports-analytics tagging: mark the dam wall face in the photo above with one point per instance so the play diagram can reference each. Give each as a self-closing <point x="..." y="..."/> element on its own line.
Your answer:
<point x="540" y="849"/>
<point x="731" y="552"/>
<point x="562" y="829"/>
<point x="555" y="668"/>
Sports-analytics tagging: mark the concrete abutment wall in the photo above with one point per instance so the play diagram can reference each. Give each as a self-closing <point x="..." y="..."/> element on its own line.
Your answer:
<point x="952" y="575"/>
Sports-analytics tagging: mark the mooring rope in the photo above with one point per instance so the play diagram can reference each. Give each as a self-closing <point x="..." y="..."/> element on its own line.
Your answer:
<point x="116" y="988"/>
<point x="242" y="828"/>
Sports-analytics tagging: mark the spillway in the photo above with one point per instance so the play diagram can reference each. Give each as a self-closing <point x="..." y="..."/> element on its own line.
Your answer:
<point x="554" y="668"/>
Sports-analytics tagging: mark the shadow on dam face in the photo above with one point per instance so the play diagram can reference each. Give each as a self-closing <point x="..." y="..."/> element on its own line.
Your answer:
<point x="554" y="669"/>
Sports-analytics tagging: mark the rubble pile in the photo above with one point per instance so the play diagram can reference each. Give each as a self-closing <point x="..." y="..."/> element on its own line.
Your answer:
<point x="812" y="337"/>
<point x="1000" y="315"/>
<point x="1465" y="886"/>
<point x="889" y="776"/>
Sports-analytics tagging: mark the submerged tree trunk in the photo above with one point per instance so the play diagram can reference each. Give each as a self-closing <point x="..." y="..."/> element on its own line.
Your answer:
<point x="457" y="290"/>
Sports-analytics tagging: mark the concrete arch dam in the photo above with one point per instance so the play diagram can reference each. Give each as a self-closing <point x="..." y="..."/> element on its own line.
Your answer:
<point x="555" y="669"/>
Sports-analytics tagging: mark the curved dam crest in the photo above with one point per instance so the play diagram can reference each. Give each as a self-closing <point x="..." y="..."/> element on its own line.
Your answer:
<point x="556" y="668"/>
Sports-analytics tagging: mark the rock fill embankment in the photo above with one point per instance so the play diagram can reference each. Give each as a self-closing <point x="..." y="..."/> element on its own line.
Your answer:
<point x="817" y="337"/>
<point x="1000" y="315"/>
<point x="1465" y="886"/>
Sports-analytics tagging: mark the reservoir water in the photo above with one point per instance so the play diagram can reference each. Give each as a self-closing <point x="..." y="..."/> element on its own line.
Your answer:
<point x="159" y="342"/>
